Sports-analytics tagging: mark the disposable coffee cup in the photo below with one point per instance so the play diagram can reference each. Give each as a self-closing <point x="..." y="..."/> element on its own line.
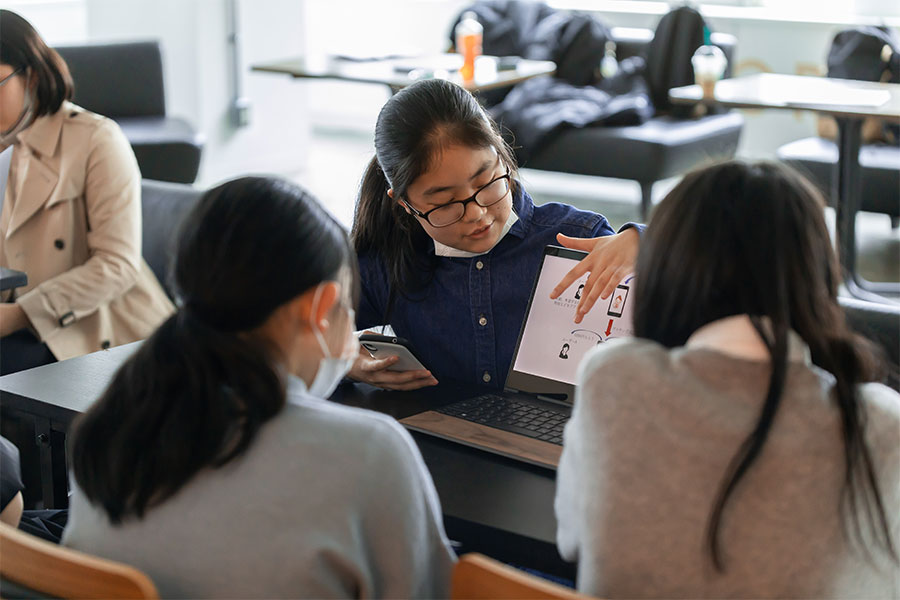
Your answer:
<point x="709" y="65"/>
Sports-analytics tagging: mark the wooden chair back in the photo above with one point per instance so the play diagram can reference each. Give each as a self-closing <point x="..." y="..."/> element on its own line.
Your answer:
<point x="478" y="577"/>
<point x="34" y="564"/>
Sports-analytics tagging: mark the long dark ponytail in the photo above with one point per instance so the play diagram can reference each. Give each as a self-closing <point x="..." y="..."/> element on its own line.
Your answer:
<point x="197" y="391"/>
<point x="741" y="238"/>
<point x="412" y="128"/>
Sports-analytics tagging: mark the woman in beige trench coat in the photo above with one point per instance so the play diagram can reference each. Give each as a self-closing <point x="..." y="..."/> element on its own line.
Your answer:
<point x="71" y="216"/>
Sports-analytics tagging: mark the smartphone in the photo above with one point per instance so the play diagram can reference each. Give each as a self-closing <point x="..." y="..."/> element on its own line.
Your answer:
<point x="617" y="301"/>
<point x="383" y="346"/>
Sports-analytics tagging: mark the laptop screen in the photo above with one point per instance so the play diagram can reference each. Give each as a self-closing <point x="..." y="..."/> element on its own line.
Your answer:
<point x="551" y="345"/>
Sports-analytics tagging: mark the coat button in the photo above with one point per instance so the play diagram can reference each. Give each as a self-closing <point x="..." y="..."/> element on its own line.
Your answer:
<point x="59" y="244"/>
<point x="482" y="320"/>
<point x="105" y="344"/>
<point x="479" y="265"/>
<point x="486" y="377"/>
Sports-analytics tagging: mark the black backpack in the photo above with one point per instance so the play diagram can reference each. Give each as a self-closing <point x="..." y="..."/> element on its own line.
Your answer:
<point x="575" y="41"/>
<point x="678" y="35"/>
<point x="868" y="54"/>
<point x="860" y="53"/>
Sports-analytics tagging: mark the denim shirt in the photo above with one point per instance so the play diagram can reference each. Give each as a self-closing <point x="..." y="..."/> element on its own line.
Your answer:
<point x="465" y="324"/>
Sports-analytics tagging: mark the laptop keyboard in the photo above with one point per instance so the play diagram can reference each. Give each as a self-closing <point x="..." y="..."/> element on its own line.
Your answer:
<point x="538" y="422"/>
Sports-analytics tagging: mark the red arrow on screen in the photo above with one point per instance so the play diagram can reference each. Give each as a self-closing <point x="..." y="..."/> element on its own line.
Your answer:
<point x="609" y="328"/>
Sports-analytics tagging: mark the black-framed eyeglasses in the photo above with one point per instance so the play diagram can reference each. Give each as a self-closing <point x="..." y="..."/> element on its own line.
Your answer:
<point x="448" y="214"/>
<point x="10" y="76"/>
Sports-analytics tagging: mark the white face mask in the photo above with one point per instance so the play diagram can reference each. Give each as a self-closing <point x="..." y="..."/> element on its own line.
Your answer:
<point x="444" y="250"/>
<point x="331" y="369"/>
<point x="8" y="137"/>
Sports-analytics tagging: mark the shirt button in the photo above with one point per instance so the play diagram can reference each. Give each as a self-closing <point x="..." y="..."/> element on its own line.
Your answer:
<point x="482" y="320"/>
<point x="59" y="244"/>
<point x="479" y="265"/>
<point x="486" y="377"/>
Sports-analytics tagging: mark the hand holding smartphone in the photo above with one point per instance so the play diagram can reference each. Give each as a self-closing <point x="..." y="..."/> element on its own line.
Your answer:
<point x="383" y="346"/>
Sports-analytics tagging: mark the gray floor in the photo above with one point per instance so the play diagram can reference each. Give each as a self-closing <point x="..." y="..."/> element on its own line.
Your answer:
<point x="338" y="159"/>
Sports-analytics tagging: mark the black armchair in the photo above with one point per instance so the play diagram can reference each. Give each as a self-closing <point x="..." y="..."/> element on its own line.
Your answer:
<point x="880" y="323"/>
<point x="124" y="81"/>
<point x="163" y="207"/>
<point x="879" y="164"/>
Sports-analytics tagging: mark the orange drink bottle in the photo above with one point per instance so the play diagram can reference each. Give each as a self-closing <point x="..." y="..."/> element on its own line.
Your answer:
<point x="468" y="35"/>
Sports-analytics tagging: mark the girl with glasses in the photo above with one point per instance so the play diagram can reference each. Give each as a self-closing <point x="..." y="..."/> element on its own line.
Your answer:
<point x="71" y="216"/>
<point x="732" y="448"/>
<point x="449" y="242"/>
<point x="213" y="461"/>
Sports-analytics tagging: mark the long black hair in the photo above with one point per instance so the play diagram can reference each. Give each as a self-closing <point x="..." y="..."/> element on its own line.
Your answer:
<point x="22" y="47"/>
<point x="197" y="391"/>
<point x="412" y="129"/>
<point x="740" y="238"/>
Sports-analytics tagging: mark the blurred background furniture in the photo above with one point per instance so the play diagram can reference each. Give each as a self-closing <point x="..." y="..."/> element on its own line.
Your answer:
<point x="880" y="323"/>
<point x="124" y="81"/>
<point x="10" y="278"/>
<point x="164" y="206"/>
<point x="397" y="73"/>
<point x="663" y="147"/>
<point x="849" y="102"/>
<point x="817" y="159"/>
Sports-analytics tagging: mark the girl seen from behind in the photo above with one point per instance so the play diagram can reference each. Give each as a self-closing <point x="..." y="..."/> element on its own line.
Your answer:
<point x="732" y="449"/>
<point x="212" y="461"/>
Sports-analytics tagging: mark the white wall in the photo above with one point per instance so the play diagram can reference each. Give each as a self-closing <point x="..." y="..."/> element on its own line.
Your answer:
<point x="58" y="21"/>
<point x="383" y="28"/>
<point x="193" y="34"/>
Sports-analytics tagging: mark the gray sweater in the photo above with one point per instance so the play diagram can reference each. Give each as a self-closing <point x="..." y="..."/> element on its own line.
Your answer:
<point x="328" y="502"/>
<point x="652" y="434"/>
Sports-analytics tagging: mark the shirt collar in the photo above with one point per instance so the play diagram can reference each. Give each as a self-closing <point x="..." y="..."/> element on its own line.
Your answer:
<point x="43" y="134"/>
<point x="524" y="208"/>
<point x="296" y="391"/>
<point x="736" y="336"/>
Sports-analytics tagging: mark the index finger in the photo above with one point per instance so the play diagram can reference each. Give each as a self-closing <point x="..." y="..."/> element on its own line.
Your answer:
<point x="576" y="272"/>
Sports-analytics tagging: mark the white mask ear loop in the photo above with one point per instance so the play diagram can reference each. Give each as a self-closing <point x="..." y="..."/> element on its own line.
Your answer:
<point x="349" y="349"/>
<point x="331" y="370"/>
<point x="315" y="327"/>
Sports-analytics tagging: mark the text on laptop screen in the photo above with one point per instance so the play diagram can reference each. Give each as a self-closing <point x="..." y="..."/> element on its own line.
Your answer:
<point x="552" y="344"/>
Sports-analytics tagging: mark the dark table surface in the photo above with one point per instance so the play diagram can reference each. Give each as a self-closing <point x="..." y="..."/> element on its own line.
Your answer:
<point x="10" y="278"/>
<point x="491" y="503"/>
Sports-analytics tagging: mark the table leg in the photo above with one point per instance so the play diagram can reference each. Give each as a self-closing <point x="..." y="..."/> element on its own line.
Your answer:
<point x="847" y="206"/>
<point x="54" y="477"/>
<point x="43" y="433"/>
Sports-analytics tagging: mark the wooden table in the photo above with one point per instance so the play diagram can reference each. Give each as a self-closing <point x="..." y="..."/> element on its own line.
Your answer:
<point x="397" y="73"/>
<point x="849" y="102"/>
<point x="491" y="504"/>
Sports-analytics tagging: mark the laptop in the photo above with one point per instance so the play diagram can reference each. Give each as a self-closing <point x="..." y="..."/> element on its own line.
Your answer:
<point x="525" y="421"/>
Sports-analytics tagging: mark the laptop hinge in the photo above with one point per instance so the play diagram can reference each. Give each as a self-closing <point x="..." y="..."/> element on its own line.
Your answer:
<point x="561" y="397"/>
